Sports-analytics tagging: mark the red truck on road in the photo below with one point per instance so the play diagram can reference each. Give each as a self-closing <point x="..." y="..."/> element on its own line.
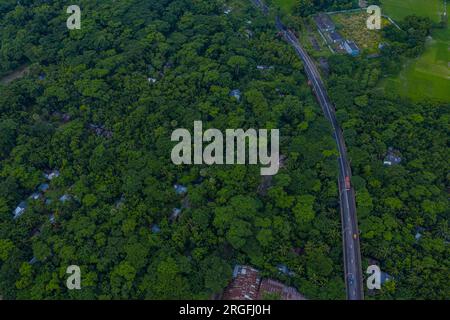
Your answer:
<point x="348" y="184"/>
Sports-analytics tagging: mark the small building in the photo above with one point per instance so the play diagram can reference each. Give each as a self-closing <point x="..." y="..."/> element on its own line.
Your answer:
<point x="51" y="218"/>
<point x="260" y="67"/>
<point x="419" y="231"/>
<point x="351" y="48"/>
<point x="382" y="45"/>
<point x="120" y="201"/>
<point x="180" y="189"/>
<point x="64" y="198"/>
<point x="335" y="37"/>
<point x="285" y="270"/>
<point x="236" y="93"/>
<point x="100" y="130"/>
<point x="33" y="260"/>
<point x="51" y="174"/>
<point x="392" y="157"/>
<point x="20" y="209"/>
<point x="152" y="80"/>
<point x="249" y="33"/>
<point x="385" y="277"/>
<point x="35" y="196"/>
<point x="156" y="229"/>
<point x="324" y="22"/>
<point x="175" y="214"/>
<point x="43" y="187"/>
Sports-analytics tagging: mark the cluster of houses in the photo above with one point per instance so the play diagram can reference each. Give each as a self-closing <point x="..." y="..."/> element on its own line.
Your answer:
<point x="39" y="194"/>
<point x="328" y="30"/>
<point x="247" y="284"/>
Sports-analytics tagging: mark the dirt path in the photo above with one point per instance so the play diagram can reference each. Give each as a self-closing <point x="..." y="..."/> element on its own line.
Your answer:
<point x="17" y="74"/>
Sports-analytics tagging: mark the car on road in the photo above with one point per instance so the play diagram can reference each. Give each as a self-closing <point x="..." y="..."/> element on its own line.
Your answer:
<point x="351" y="279"/>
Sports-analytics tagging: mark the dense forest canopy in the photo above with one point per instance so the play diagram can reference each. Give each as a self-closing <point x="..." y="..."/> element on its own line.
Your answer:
<point x="88" y="110"/>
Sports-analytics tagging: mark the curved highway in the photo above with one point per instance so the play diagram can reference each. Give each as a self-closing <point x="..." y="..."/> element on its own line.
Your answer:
<point x="350" y="233"/>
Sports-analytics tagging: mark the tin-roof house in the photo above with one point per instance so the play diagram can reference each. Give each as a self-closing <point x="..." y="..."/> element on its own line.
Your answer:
<point x="335" y="37"/>
<point x="156" y="228"/>
<point x="100" y="130"/>
<point x="51" y="174"/>
<point x="351" y="48"/>
<point x="385" y="277"/>
<point x="261" y="67"/>
<point x="249" y="33"/>
<point x="35" y="196"/>
<point x="20" y="209"/>
<point x="180" y="189"/>
<point x="324" y="22"/>
<point x="43" y="187"/>
<point x="175" y="214"/>
<point x="236" y="93"/>
<point x="64" y="198"/>
<point x="392" y="157"/>
<point x="285" y="270"/>
<point x="419" y="231"/>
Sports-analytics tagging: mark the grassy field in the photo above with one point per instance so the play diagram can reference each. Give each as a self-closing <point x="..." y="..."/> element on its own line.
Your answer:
<point x="427" y="77"/>
<point x="286" y="5"/>
<point x="398" y="9"/>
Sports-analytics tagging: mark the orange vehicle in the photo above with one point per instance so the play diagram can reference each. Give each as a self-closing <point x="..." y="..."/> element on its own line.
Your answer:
<point x="348" y="185"/>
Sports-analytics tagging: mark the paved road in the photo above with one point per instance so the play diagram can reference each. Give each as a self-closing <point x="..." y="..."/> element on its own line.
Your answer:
<point x="350" y="233"/>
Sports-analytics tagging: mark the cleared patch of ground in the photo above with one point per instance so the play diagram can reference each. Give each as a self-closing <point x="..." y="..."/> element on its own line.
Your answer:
<point x="353" y="26"/>
<point x="17" y="74"/>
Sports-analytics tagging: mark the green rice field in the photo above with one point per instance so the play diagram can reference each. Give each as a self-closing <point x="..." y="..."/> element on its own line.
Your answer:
<point x="428" y="76"/>
<point x="398" y="9"/>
